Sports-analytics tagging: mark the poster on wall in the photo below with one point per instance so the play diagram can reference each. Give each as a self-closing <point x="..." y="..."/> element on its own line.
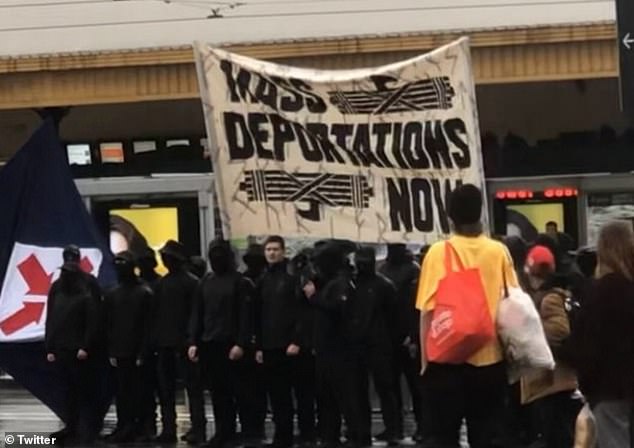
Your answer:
<point x="529" y="220"/>
<point x="606" y="207"/>
<point x="369" y="155"/>
<point x="138" y="229"/>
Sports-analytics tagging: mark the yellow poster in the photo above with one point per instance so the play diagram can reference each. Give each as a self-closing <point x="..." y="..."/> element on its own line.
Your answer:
<point x="539" y="214"/>
<point x="136" y="229"/>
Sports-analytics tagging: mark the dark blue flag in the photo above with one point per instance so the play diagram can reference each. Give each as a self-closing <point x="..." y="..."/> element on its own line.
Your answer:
<point x="42" y="212"/>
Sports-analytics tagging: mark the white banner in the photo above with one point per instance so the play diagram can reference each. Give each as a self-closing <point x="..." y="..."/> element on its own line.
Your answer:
<point x="368" y="155"/>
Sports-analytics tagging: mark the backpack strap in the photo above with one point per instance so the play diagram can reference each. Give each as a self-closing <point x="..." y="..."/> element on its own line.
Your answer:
<point x="450" y="252"/>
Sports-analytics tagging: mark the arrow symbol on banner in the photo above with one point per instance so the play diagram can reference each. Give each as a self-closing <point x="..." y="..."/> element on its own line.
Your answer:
<point x="35" y="276"/>
<point x="31" y="312"/>
<point x="86" y="265"/>
<point x="628" y="41"/>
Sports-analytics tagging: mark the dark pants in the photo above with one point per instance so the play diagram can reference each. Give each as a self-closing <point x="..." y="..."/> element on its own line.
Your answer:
<point x="554" y="418"/>
<point x="171" y="364"/>
<point x="380" y="367"/>
<point x="278" y="373"/>
<point x="337" y="394"/>
<point x="405" y="365"/>
<point x="128" y="394"/>
<point x="149" y="390"/>
<point x="303" y="381"/>
<point x="195" y="387"/>
<point x="223" y="380"/>
<point x="252" y="400"/>
<point x="79" y="385"/>
<point x="457" y="392"/>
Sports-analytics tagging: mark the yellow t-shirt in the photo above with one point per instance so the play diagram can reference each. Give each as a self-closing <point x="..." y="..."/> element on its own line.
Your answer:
<point x="492" y="259"/>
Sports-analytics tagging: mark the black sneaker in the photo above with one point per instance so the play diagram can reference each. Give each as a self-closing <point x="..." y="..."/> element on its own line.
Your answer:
<point x="195" y="438"/>
<point x="62" y="433"/>
<point x="166" y="437"/>
<point x="184" y="436"/>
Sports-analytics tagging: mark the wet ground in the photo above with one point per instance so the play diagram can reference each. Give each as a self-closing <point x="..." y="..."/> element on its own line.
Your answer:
<point x="19" y="411"/>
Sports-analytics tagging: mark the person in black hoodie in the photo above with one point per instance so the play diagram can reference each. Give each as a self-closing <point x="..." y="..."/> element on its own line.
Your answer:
<point x="403" y="271"/>
<point x="255" y="262"/>
<point x="175" y="293"/>
<point x="280" y="305"/>
<point x="372" y="329"/>
<point x="128" y="331"/>
<point x="72" y="330"/>
<point x="330" y="292"/>
<point x="252" y="419"/>
<point x="219" y="332"/>
<point x="146" y="262"/>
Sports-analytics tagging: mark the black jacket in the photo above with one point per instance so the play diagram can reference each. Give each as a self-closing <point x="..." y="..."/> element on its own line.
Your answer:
<point x="222" y="310"/>
<point x="280" y="308"/>
<point x="373" y="314"/>
<point x="129" y="317"/>
<point x="332" y="315"/>
<point x="73" y="315"/>
<point x="603" y="341"/>
<point x="174" y="297"/>
<point x="404" y="275"/>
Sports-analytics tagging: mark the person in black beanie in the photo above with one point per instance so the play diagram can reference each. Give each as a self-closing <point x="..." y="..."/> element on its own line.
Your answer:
<point x="71" y="337"/>
<point x="471" y="389"/>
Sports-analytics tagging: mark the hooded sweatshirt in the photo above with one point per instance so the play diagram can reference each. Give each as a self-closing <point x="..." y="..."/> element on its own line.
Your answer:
<point x="223" y="303"/>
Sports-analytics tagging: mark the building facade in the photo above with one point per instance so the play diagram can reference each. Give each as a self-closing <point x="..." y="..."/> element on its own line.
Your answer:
<point x="124" y="73"/>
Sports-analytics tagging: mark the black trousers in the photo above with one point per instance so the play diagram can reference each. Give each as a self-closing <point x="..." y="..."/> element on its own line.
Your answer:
<point x="194" y="384"/>
<point x="172" y="363"/>
<point x="252" y="400"/>
<point x="379" y="366"/>
<point x="279" y="384"/>
<point x="128" y="394"/>
<point x="80" y="404"/>
<point x="405" y="365"/>
<point x="303" y="380"/>
<point x="227" y="396"/>
<point x="149" y="391"/>
<point x="457" y="392"/>
<point x="337" y="394"/>
<point x="554" y="418"/>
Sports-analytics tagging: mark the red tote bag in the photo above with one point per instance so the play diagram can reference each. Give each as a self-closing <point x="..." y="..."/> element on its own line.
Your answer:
<point x="461" y="323"/>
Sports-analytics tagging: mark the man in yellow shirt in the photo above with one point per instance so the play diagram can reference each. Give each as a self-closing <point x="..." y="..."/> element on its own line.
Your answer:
<point x="476" y="390"/>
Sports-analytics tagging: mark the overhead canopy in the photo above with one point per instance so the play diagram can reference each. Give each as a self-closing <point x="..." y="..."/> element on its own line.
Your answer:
<point x="35" y="27"/>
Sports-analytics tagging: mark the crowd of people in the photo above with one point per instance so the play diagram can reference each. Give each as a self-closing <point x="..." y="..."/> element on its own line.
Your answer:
<point x="303" y="337"/>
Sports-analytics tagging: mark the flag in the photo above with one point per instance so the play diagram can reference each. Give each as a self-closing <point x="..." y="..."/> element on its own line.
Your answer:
<point x="42" y="212"/>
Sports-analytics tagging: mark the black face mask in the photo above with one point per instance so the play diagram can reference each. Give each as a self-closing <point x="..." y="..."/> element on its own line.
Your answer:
<point x="396" y="253"/>
<point x="220" y="261"/>
<point x="125" y="271"/>
<point x="147" y="264"/>
<point x="255" y="264"/>
<point x="172" y="263"/>
<point x="365" y="262"/>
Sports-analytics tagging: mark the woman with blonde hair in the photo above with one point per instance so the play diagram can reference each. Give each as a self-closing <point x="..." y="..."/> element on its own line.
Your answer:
<point x="604" y="337"/>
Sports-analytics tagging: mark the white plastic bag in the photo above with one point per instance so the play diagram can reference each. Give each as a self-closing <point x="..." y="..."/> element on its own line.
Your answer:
<point x="585" y="429"/>
<point x="522" y="335"/>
